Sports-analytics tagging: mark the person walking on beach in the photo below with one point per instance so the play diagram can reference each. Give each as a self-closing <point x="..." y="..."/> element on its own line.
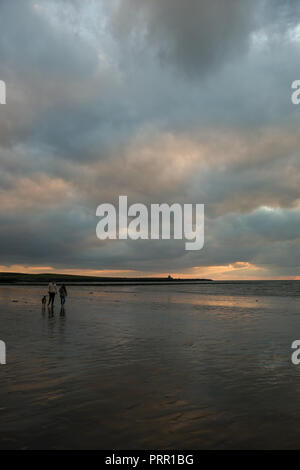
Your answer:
<point x="52" y="290"/>
<point x="63" y="294"/>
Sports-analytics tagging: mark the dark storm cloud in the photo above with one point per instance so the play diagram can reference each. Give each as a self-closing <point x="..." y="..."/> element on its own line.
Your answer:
<point x="45" y="237"/>
<point x="196" y="34"/>
<point x="61" y="98"/>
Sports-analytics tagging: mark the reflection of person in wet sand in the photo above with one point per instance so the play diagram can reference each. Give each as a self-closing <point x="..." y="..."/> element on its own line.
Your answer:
<point x="44" y="300"/>
<point x="52" y="290"/>
<point x="63" y="294"/>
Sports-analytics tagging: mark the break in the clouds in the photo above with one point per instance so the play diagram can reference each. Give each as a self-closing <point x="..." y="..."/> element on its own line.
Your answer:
<point x="162" y="100"/>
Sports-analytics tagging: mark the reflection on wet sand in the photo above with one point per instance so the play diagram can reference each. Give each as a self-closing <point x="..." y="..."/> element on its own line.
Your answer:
<point x="148" y="368"/>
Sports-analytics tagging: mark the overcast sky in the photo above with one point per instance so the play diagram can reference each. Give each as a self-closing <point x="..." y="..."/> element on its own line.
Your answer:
<point x="163" y="101"/>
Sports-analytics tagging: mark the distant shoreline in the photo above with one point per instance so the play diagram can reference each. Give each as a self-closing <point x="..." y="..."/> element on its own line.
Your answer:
<point x="20" y="279"/>
<point x="96" y="284"/>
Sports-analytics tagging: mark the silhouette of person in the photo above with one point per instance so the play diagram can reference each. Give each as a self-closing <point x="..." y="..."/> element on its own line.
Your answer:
<point x="52" y="290"/>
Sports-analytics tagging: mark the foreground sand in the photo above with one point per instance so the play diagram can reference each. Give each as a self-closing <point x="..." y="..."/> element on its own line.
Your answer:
<point x="149" y="367"/>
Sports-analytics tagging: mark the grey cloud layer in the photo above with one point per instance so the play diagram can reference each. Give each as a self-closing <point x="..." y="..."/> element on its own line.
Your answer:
<point x="177" y="101"/>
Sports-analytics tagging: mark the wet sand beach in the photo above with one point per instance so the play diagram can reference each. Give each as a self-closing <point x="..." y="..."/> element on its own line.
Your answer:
<point x="151" y="367"/>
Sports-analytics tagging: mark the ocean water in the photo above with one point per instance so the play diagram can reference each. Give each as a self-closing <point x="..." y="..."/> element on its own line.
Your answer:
<point x="151" y="367"/>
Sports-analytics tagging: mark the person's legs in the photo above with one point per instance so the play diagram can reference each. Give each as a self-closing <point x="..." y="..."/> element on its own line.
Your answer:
<point x="49" y="301"/>
<point x="52" y="298"/>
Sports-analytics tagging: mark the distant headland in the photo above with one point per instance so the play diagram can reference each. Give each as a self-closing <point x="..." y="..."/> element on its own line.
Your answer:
<point x="44" y="278"/>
